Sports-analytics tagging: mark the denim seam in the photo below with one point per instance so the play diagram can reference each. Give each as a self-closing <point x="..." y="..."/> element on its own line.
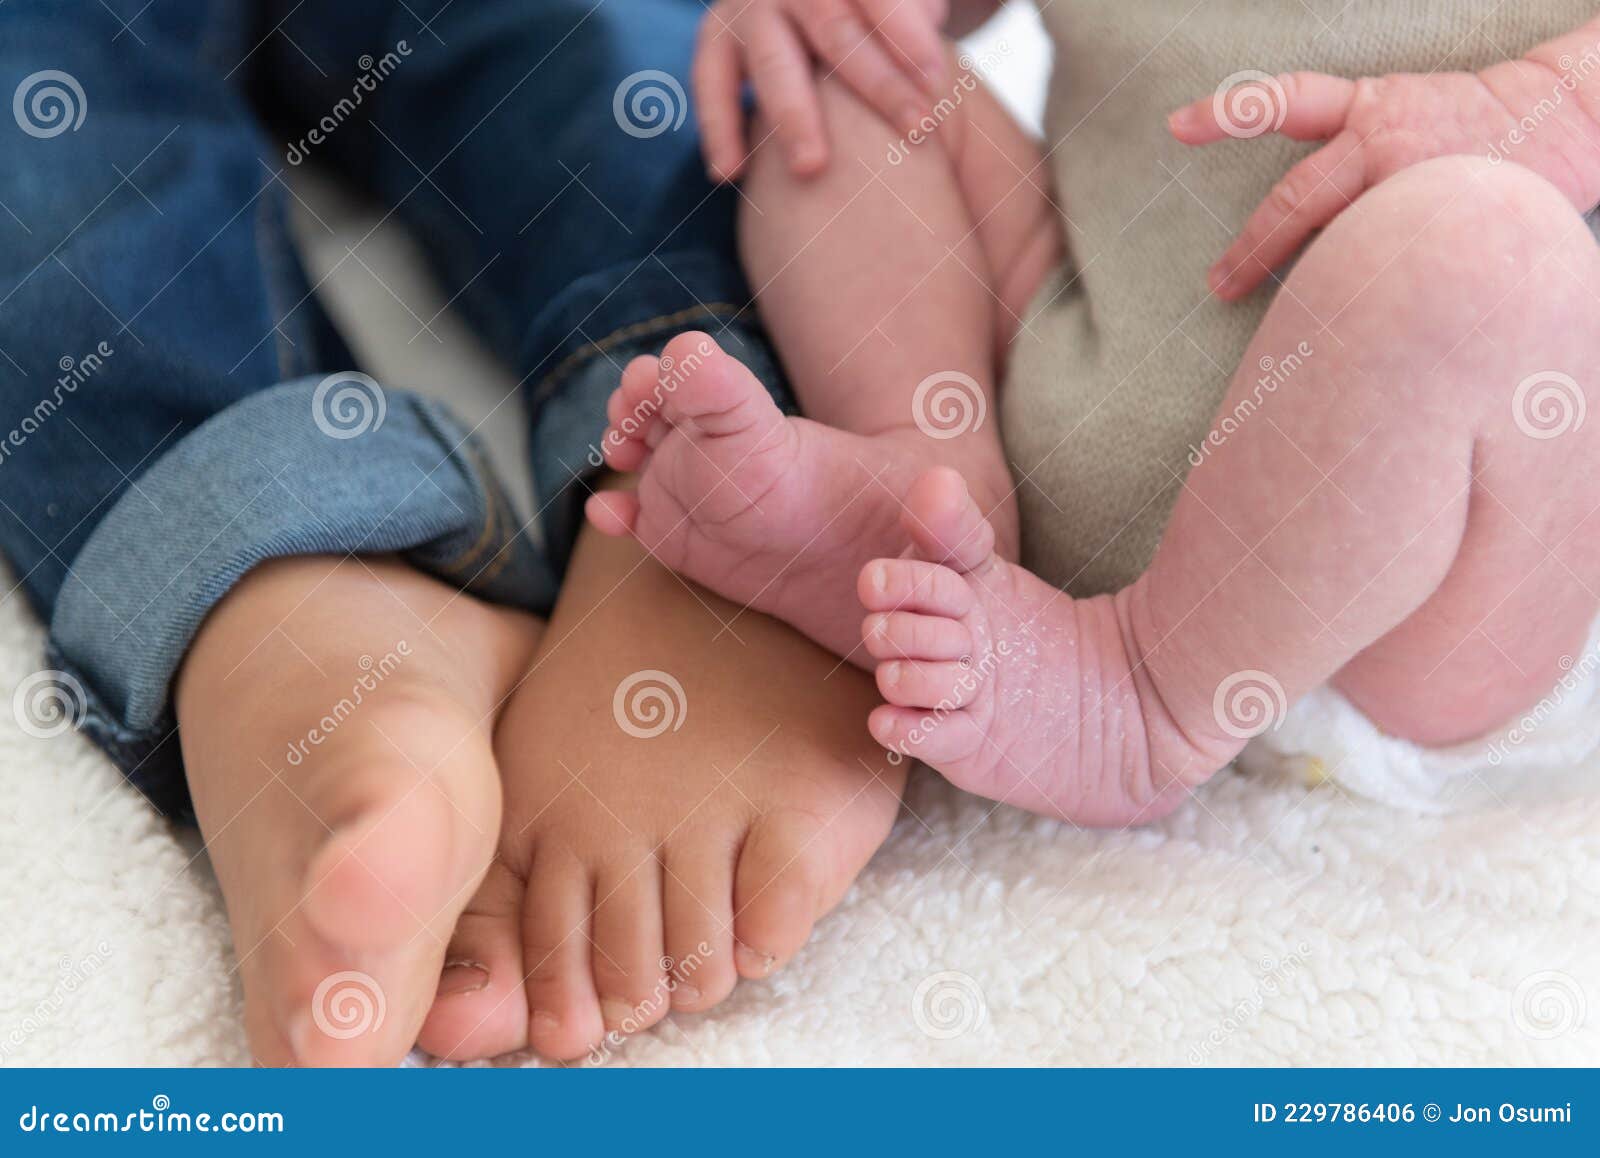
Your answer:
<point x="491" y="526"/>
<point x="572" y="361"/>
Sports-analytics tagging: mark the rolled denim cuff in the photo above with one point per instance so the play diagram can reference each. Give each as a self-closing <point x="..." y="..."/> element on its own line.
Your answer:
<point x="333" y="465"/>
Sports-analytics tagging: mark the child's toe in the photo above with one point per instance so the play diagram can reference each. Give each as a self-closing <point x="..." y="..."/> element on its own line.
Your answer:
<point x="629" y="945"/>
<point x="912" y="585"/>
<point x="777" y="890"/>
<point x="563" y="1008"/>
<point x="911" y="683"/>
<point x="906" y="635"/>
<point x="481" y="1007"/>
<point x="937" y="737"/>
<point x="697" y="893"/>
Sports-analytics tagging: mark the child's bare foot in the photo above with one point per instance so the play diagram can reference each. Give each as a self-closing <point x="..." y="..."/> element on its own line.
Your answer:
<point x="335" y="719"/>
<point x="772" y="512"/>
<point x="1010" y="688"/>
<point x="681" y="805"/>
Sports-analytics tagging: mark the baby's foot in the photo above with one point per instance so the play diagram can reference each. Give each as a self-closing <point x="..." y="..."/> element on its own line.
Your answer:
<point x="1007" y="686"/>
<point x="775" y="513"/>
<point x="335" y="719"/>
<point x="679" y="809"/>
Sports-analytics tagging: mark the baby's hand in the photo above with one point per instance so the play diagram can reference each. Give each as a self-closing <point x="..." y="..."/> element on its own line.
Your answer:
<point x="1524" y="110"/>
<point x="883" y="49"/>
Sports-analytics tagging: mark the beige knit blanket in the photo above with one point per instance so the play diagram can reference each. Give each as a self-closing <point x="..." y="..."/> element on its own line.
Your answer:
<point x="1124" y="358"/>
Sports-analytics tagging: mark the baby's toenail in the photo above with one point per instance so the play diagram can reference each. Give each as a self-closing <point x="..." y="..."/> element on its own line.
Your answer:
<point x="752" y="961"/>
<point x="891" y="673"/>
<point x="616" y="1013"/>
<point x="462" y="977"/>
<point x="543" y="1023"/>
<point x="685" y="994"/>
<point x="879" y="578"/>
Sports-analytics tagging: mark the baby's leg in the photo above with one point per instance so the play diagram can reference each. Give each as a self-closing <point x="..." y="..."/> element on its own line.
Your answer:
<point x="1400" y="510"/>
<point x="890" y="284"/>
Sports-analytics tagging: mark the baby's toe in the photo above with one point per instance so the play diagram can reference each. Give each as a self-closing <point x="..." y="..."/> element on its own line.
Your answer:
<point x="944" y="522"/>
<point x="913" y="585"/>
<point x="697" y="893"/>
<point x="628" y="944"/>
<point x="481" y="1008"/>
<point x="937" y="738"/>
<point x="778" y="890"/>
<point x="910" y="683"/>
<point x="563" y="1007"/>
<point x="905" y="635"/>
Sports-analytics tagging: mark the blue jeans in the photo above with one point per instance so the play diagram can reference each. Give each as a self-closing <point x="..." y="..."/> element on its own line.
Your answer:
<point x="179" y="406"/>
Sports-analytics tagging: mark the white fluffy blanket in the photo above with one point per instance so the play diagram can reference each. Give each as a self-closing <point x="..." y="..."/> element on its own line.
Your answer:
<point x="1265" y="923"/>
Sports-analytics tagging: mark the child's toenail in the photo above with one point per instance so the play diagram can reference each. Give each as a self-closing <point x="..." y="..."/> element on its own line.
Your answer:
<point x="616" y="1013"/>
<point x="543" y="1023"/>
<point x="752" y="961"/>
<point x="685" y="994"/>
<point x="462" y="977"/>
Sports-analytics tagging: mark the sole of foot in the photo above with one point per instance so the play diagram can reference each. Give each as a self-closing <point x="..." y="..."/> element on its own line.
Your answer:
<point x="351" y="809"/>
<point x="772" y="512"/>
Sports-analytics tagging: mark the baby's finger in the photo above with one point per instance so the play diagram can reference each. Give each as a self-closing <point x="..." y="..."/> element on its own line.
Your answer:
<point x="1306" y="106"/>
<point x="861" y="61"/>
<point x="905" y="26"/>
<point x="716" y="78"/>
<point x="780" y="70"/>
<point x="1310" y="195"/>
